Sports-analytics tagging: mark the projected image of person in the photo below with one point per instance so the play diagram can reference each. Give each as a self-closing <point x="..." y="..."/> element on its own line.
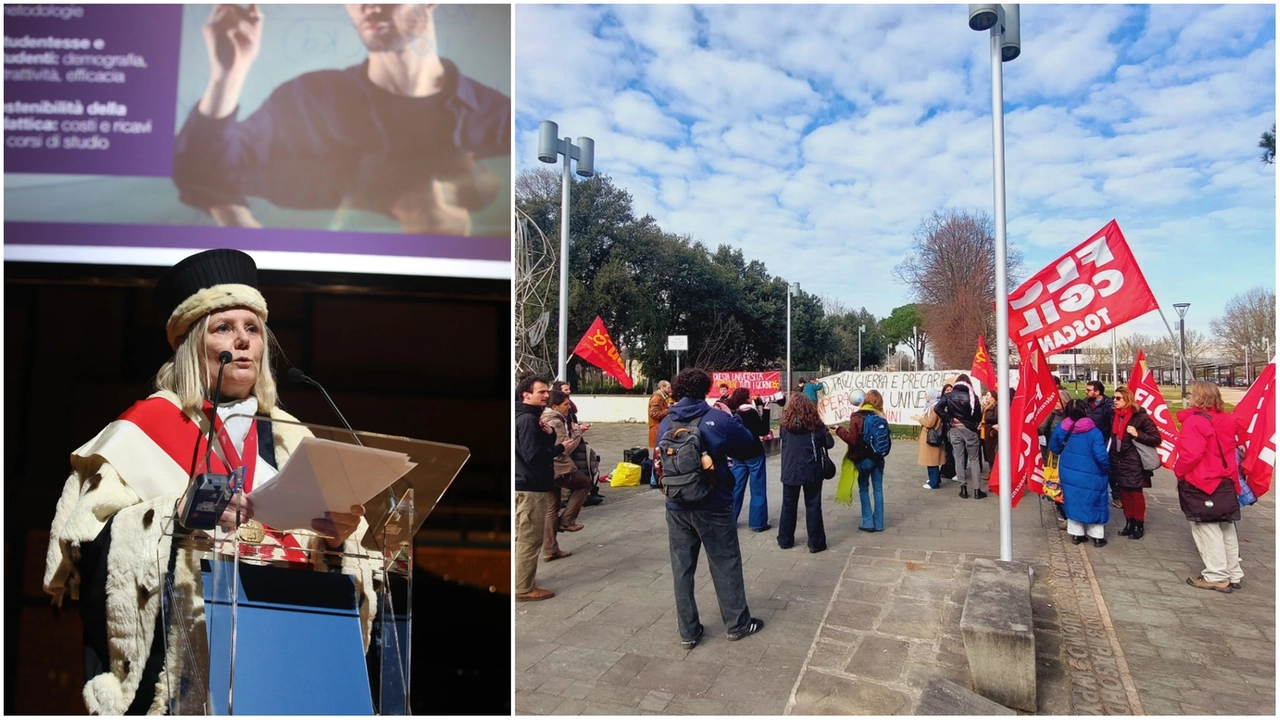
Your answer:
<point x="399" y="134"/>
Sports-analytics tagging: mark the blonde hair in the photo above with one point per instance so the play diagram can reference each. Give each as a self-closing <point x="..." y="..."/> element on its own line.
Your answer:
<point x="875" y="400"/>
<point x="187" y="373"/>
<point x="1205" y="395"/>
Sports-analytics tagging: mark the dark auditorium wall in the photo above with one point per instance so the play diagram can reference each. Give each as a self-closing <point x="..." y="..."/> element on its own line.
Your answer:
<point x="423" y="357"/>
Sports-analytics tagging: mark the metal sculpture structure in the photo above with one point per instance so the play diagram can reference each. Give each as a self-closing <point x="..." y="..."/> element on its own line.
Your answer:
<point x="536" y="275"/>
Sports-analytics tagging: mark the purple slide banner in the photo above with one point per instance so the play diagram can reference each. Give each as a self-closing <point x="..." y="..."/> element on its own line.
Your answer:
<point x="274" y="239"/>
<point x="91" y="89"/>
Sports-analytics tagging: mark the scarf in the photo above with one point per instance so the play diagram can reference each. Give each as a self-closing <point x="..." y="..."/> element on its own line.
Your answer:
<point x="1119" y="421"/>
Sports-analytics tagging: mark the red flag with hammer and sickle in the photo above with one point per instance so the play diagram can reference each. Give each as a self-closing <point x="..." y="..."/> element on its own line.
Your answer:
<point x="982" y="369"/>
<point x="597" y="348"/>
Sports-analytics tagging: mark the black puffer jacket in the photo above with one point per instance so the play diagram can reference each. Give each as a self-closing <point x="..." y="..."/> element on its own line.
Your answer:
<point x="1126" y="464"/>
<point x="957" y="405"/>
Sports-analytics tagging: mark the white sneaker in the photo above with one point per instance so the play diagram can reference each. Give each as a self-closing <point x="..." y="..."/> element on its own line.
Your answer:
<point x="927" y="486"/>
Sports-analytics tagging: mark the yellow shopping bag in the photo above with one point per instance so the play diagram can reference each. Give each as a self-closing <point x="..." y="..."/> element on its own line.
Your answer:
<point x="1052" y="488"/>
<point x="848" y="479"/>
<point x="625" y="475"/>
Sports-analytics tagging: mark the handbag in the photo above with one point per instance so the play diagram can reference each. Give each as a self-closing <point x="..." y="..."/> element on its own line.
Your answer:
<point x="1150" y="458"/>
<point x="933" y="436"/>
<point x="824" y="460"/>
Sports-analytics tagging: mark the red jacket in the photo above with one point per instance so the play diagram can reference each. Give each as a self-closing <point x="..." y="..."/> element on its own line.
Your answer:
<point x="1206" y="449"/>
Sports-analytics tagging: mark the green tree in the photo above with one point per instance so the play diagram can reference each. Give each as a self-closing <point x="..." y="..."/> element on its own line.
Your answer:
<point x="1268" y="145"/>
<point x="904" y="326"/>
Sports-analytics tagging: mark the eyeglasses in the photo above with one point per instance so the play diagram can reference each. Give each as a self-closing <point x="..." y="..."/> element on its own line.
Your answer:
<point x="1118" y="397"/>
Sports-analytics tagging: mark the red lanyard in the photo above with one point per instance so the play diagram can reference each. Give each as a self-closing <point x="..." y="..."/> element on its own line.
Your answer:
<point x="291" y="547"/>
<point x="229" y="449"/>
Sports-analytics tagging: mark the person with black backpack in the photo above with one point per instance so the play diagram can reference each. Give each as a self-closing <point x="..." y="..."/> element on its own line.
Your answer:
<point x="694" y="444"/>
<point x="961" y="413"/>
<point x="869" y="442"/>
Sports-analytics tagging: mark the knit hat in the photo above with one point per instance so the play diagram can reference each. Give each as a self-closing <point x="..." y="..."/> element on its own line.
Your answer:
<point x="207" y="282"/>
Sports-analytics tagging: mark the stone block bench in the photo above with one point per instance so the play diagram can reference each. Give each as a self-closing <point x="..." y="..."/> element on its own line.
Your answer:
<point x="999" y="637"/>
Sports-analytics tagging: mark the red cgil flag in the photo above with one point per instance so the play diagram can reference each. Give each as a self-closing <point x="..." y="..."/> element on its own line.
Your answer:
<point x="597" y="348"/>
<point x="1256" y="422"/>
<point x="1031" y="404"/>
<point x="1093" y="288"/>
<point x="1146" y="395"/>
<point x="982" y="368"/>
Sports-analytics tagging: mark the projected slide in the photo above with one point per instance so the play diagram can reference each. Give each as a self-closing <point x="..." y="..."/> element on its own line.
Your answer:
<point x="367" y="138"/>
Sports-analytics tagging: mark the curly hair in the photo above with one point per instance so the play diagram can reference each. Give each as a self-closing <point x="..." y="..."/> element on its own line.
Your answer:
<point x="526" y="385"/>
<point x="691" y="382"/>
<point x="801" y="415"/>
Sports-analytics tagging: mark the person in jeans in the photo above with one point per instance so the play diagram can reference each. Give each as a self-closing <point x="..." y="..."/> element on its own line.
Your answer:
<point x="1208" y="483"/>
<point x="803" y="438"/>
<point x="536" y="450"/>
<point x="870" y="467"/>
<point x="929" y="456"/>
<point x="960" y="413"/>
<point x="750" y="468"/>
<point x="708" y="522"/>
<point x="567" y="475"/>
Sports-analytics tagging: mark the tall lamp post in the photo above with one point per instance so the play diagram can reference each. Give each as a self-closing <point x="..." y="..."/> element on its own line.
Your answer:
<point x="1182" y="346"/>
<point x="861" y="329"/>
<point x="792" y="288"/>
<point x="915" y="349"/>
<point x="1006" y="44"/>
<point x="550" y="146"/>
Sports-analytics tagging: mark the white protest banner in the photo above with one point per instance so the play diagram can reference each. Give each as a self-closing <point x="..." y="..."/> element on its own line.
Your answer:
<point x="906" y="394"/>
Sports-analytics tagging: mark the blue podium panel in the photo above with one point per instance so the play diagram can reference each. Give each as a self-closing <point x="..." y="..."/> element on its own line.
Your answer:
<point x="298" y="645"/>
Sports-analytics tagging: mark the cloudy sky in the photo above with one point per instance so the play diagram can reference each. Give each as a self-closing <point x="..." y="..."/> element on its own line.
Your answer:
<point x="818" y="137"/>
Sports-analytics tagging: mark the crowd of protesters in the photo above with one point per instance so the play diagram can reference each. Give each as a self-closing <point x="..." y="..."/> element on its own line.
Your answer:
<point x="1100" y="447"/>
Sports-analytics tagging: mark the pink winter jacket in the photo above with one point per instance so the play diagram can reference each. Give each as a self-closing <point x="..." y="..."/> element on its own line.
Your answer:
<point x="1206" y="449"/>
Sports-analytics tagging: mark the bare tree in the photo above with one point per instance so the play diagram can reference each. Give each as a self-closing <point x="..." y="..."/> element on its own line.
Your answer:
<point x="1247" y="320"/>
<point x="538" y="184"/>
<point x="952" y="275"/>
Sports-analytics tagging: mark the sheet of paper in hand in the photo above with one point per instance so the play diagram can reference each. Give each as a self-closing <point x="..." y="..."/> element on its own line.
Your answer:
<point x="325" y="476"/>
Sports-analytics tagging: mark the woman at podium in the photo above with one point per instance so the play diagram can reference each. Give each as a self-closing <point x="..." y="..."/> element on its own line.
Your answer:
<point x="115" y="519"/>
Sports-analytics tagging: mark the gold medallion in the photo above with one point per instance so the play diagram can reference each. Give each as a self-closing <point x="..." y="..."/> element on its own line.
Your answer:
<point x="252" y="531"/>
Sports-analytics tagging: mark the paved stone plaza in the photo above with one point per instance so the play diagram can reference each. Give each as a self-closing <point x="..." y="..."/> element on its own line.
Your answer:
<point x="863" y="627"/>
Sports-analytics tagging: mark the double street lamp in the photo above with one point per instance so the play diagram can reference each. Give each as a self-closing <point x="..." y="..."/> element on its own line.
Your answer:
<point x="1182" y="346"/>
<point x="1006" y="44"/>
<point x="551" y="145"/>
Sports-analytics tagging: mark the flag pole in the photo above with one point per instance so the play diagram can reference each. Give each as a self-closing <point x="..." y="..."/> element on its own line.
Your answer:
<point x="1115" y="371"/>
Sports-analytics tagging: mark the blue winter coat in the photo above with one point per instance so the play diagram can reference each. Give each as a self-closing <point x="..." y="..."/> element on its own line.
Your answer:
<point x="723" y="436"/>
<point x="1083" y="466"/>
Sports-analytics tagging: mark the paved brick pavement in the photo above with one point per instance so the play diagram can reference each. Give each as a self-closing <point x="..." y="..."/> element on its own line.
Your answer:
<point x="861" y="628"/>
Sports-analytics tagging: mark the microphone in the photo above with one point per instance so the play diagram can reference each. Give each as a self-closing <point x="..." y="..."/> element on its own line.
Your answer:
<point x="208" y="493"/>
<point x="298" y="376"/>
